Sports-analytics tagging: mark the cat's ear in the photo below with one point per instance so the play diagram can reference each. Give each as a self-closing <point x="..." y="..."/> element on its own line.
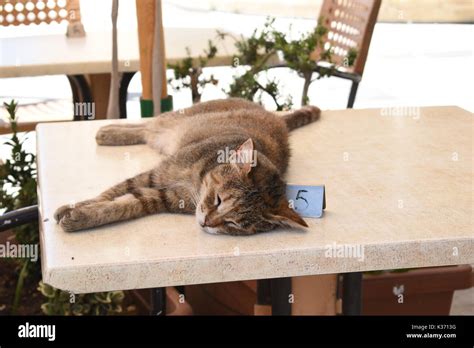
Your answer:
<point x="245" y="157"/>
<point x="286" y="216"/>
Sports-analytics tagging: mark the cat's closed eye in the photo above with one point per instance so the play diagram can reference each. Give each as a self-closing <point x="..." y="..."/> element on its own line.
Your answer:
<point x="218" y="200"/>
<point x="231" y="224"/>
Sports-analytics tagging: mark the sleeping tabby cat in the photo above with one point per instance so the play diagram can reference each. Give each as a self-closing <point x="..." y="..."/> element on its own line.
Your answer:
<point x="224" y="161"/>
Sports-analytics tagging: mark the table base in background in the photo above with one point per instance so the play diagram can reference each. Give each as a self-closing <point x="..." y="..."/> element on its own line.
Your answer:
<point x="277" y="295"/>
<point x="352" y="293"/>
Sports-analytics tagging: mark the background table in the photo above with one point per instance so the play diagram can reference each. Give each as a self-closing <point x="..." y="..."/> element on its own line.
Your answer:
<point x="399" y="186"/>
<point x="91" y="56"/>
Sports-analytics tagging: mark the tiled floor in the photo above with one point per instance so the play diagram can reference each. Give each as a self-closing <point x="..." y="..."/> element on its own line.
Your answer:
<point x="463" y="302"/>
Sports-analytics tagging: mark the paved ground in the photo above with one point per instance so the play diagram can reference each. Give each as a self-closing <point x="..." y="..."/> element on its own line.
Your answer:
<point x="463" y="302"/>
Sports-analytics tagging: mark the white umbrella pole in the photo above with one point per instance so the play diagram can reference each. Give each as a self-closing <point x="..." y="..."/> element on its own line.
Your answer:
<point x="113" y="110"/>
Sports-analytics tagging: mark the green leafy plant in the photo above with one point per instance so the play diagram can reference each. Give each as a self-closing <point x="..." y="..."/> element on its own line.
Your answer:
<point x="255" y="52"/>
<point x="18" y="178"/>
<point x="18" y="190"/>
<point x="247" y="86"/>
<point x="255" y="56"/>
<point x="188" y="74"/>
<point x="300" y="55"/>
<point x="61" y="302"/>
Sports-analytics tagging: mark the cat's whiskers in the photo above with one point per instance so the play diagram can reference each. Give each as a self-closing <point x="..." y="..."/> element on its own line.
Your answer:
<point x="194" y="196"/>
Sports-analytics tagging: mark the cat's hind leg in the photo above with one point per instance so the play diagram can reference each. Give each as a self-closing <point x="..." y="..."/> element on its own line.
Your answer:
<point x="121" y="134"/>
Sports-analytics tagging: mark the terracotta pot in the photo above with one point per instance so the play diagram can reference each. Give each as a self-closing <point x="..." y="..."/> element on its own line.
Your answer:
<point x="424" y="291"/>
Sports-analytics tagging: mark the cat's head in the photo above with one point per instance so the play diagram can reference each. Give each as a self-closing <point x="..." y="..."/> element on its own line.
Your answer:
<point x="244" y="196"/>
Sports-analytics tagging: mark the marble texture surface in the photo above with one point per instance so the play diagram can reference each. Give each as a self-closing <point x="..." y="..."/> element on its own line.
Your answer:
<point x="400" y="188"/>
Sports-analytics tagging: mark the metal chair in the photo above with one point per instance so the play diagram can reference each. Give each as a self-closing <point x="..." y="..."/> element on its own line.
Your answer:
<point x="26" y="12"/>
<point x="350" y="25"/>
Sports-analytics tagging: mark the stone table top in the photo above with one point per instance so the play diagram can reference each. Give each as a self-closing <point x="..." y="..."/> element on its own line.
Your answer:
<point x="399" y="189"/>
<point x="92" y="54"/>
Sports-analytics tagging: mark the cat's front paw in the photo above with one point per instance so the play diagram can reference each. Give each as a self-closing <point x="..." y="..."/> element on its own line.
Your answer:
<point x="74" y="220"/>
<point x="106" y="136"/>
<point x="61" y="212"/>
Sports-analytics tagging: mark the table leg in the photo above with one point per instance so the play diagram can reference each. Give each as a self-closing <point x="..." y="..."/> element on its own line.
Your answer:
<point x="352" y="94"/>
<point x="275" y="293"/>
<point x="123" y="92"/>
<point x="280" y="292"/>
<point x="352" y="293"/>
<point x="81" y="94"/>
<point x="158" y="301"/>
<point x="264" y="298"/>
<point x="100" y="90"/>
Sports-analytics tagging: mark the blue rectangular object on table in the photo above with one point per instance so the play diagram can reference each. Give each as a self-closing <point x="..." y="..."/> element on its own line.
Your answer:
<point x="307" y="200"/>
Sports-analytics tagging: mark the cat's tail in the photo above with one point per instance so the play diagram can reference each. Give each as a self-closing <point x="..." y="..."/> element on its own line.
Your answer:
<point x="302" y="117"/>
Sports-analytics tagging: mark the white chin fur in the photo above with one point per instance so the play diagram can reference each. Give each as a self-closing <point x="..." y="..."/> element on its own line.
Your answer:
<point x="199" y="216"/>
<point x="211" y="230"/>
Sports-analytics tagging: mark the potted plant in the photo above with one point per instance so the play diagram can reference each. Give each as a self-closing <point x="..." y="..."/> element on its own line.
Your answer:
<point x="255" y="56"/>
<point x="19" y="277"/>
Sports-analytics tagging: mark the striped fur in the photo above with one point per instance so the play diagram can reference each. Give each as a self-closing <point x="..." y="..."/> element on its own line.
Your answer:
<point x="302" y="117"/>
<point x="227" y="196"/>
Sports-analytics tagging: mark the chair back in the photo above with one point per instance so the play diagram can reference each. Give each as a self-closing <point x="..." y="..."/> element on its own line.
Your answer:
<point x="350" y="25"/>
<point x="27" y="12"/>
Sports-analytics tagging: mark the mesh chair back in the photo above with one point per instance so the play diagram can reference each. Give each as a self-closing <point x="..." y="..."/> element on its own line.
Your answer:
<point x="350" y="24"/>
<point x="26" y="12"/>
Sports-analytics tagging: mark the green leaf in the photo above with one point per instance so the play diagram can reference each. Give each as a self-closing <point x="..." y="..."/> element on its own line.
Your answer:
<point x="78" y="310"/>
<point x="47" y="290"/>
<point x="117" y="296"/>
<point x="48" y="309"/>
